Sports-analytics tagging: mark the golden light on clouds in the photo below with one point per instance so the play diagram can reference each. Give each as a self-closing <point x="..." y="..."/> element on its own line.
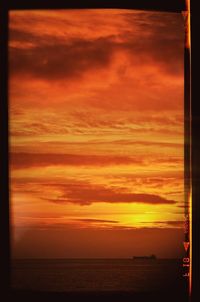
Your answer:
<point x="96" y="126"/>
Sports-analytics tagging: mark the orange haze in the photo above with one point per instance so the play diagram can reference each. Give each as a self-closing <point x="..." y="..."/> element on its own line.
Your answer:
<point x="96" y="133"/>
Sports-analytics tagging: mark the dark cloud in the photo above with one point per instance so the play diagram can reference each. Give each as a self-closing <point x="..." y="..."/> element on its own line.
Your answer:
<point x="38" y="160"/>
<point x="159" y="39"/>
<point x="184" y="206"/>
<point x="56" y="59"/>
<point x="17" y="35"/>
<point x="91" y="220"/>
<point x="173" y="223"/>
<point x="29" y="160"/>
<point x="84" y="193"/>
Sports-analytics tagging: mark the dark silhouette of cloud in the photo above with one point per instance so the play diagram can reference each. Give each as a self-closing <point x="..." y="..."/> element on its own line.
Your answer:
<point x="29" y="160"/>
<point x="91" y="220"/>
<point x="84" y="193"/>
<point x="159" y="38"/>
<point x="57" y="60"/>
<point x="172" y="223"/>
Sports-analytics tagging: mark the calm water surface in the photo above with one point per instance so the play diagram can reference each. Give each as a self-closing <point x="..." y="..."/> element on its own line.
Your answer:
<point x="63" y="275"/>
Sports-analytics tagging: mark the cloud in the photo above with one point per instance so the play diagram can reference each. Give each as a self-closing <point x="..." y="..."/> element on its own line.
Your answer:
<point x="178" y="224"/>
<point x="91" y="220"/>
<point x="175" y="223"/>
<point x="95" y="122"/>
<point x="84" y="193"/>
<point x="165" y="223"/>
<point x="159" y="39"/>
<point x="57" y="60"/>
<point x="162" y="40"/>
<point x="146" y="143"/>
<point x="184" y="206"/>
<point x="143" y="119"/>
<point x="29" y="160"/>
<point x="135" y="62"/>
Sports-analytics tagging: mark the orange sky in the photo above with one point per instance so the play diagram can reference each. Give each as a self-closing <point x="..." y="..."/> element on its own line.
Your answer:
<point x="96" y="133"/>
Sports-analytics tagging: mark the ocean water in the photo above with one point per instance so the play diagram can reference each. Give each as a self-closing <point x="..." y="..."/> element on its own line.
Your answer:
<point x="69" y="275"/>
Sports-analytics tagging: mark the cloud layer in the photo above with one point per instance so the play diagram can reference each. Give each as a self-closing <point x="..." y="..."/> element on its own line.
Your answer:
<point x="86" y="194"/>
<point x="28" y="160"/>
<point x="96" y="127"/>
<point x="52" y="57"/>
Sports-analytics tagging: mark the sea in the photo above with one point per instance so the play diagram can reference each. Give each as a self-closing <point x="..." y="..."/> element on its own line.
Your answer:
<point x="79" y="275"/>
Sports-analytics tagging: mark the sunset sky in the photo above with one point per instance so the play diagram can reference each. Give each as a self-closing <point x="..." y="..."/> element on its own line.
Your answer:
<point x="96" y="133"/>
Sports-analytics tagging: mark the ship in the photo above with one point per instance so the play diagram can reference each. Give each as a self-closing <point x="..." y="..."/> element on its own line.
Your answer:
<point x="151" y="257"/>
